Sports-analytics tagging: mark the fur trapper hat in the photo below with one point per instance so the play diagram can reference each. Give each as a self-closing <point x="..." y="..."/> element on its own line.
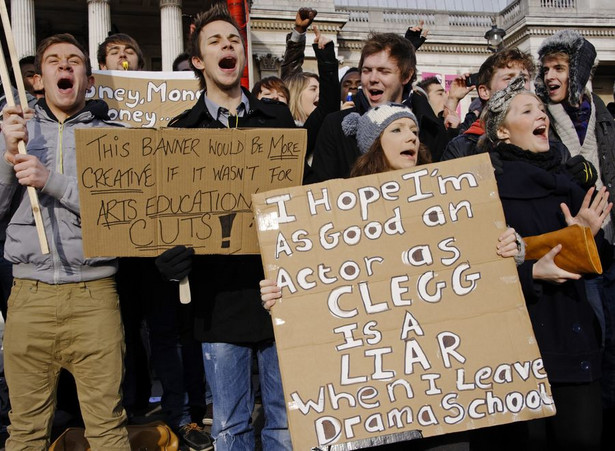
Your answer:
<point x="367" y="128"/>
<point x="582" y="60"/>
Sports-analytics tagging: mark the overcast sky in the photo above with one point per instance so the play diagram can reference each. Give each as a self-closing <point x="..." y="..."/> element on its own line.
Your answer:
<point x="439" y="5"/>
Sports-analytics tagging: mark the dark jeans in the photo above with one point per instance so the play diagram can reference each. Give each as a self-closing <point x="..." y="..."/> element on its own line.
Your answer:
<point x="6" y="281"/>
<point x="137" y="383"/>
<point x="175" y="356"/>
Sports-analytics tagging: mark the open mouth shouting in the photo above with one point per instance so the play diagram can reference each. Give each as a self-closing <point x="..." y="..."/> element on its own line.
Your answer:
<point x="65" y="85"/>
<point x="375" y="95"/>
<point x="553" y="88"/>
<point x="228" y="63"/>
<point x="541" y="130"/>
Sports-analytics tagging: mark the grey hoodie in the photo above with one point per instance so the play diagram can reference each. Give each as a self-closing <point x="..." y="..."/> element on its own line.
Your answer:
<point x="54" y="144"/>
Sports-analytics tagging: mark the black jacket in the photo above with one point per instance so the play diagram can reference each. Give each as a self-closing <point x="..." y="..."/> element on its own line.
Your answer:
<point x="566" y="328"/>
<point x="329" y="100"/>
<point x="225" y="287"/>
<point x="335" y="153"/>
<point x="432" y="131"/>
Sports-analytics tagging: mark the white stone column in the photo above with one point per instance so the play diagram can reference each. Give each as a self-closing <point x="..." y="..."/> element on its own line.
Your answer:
<point x="23" y="26"/>
<point x="171" y="32"/>
<point x="99" y="25"/>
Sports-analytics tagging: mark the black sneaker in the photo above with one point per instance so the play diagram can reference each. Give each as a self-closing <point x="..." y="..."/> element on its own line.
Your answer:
<point x="195" y="437"/>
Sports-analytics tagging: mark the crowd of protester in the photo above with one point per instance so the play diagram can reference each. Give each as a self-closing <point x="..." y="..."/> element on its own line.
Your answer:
<point x="98" y="329"/>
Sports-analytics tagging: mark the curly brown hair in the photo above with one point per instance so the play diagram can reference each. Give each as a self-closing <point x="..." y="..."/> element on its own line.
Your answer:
<point x="502" y="59"/>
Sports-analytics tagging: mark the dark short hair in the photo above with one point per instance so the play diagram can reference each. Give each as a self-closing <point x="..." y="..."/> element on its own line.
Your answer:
<point x="399" y="48"/>
<point x="180" y="59"/>
<point x="350" y="71"/>
<point x="271" y="83"/>
<point x="502" y="59"/>
<point x="26" y="60"/>
<point x="63" y="38"/>
<point x="119" y="38"/>
<point x="427" y="82"/>
<point x="218" y="11"/>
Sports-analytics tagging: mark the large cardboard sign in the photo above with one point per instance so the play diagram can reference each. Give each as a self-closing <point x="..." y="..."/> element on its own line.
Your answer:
<point x="145" y="99"/>
<point x="143" y="191"/>
<point x="397" y="319"/>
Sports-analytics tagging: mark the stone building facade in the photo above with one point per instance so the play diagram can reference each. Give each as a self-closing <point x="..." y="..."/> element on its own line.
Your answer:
<point x="455" y="44"/>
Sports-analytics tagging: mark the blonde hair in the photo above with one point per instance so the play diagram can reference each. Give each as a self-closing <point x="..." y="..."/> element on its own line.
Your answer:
<point x="296" y="84"/>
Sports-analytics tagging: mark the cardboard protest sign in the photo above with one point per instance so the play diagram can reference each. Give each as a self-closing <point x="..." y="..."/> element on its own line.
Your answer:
<point x="397" y="318"/>
<point x="145" y="99"/>
<point x="143" y="191"/>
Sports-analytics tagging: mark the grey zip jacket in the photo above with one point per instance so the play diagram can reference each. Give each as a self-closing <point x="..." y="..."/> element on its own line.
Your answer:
<point x="54" y="144"/>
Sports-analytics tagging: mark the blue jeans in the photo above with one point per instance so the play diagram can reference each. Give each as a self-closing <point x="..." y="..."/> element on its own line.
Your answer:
<point x="228" y="369"/>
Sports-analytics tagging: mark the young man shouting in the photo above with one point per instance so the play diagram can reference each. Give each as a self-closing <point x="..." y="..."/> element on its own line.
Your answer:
<point x="63" y="308"/>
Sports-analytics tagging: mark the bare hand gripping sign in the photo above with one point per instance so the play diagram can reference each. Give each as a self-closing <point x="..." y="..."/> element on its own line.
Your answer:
<point x="397" y="318"/>
<point x="143" y="191"/>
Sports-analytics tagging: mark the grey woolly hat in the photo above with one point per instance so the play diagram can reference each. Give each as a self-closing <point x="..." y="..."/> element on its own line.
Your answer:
<point x="497" y="107"/>
<point x="582" y="59"/>
<point x="367" y="128"/>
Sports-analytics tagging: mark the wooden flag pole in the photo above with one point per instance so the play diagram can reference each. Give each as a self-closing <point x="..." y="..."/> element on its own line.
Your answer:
<point x="10" y="43"/>
<point x="10" y="100"/>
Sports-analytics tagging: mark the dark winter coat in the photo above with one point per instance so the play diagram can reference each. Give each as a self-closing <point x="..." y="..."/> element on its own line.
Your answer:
<point x="566" y="328"/>
<point x="432" y="131"/>
<point x="225" y="287"/>
<point x="335" y="153"/>
<point x="464" y="145"/>
<point x="605" y="138"/>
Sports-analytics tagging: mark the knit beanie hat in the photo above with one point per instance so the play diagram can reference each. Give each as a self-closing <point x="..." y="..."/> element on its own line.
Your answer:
<point x="582" y="59"/>
<point x="498" y="105"/>
<point x="367" y="128"/>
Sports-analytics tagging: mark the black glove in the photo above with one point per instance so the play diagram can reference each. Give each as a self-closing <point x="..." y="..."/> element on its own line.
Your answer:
<point x="582" y="171"/>
<point x="496" y="162"/>
<point x="174" y="264"/>
<point x="415" y="37"/>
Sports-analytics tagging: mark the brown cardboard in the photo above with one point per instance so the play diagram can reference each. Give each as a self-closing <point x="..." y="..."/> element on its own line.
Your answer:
<point x="143" y="191"/>
<point x="395" y="332"/>
<point x="145" y="99"/>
